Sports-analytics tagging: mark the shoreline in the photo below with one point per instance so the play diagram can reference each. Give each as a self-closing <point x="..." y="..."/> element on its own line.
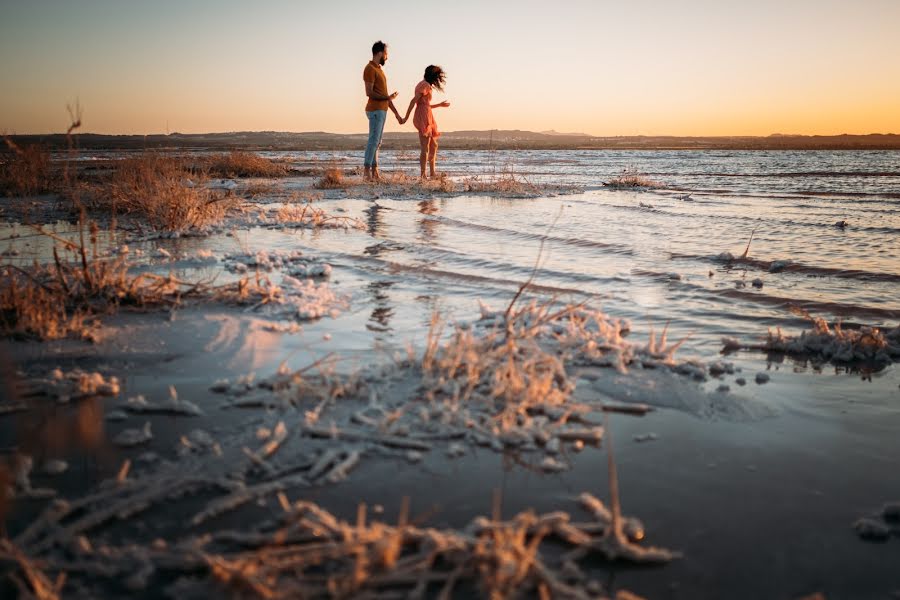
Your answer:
<point x="465" y="140"/>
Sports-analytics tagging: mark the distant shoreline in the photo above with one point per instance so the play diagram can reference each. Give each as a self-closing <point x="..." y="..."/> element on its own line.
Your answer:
<point x="460" y="140"/>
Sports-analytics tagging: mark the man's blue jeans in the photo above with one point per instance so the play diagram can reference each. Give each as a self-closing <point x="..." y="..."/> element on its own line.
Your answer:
<point x="376" y="129"/>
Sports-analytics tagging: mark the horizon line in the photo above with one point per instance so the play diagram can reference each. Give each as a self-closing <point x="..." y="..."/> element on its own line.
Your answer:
<point x="549" y="133"/>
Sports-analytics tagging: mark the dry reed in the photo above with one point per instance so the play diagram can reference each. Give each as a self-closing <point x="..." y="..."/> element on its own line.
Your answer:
<point x="162" y="192"/>
<point x="308" y="216"/>
<point x="631" y="178"/>
<point x="332" y="178"/>
<point x="25" y="170"/>
<point x="308" y="552"/>
<point x="506" y="182"/>
<point x="822" y="343"/>
<point x="243" y="164"/>
<point x="61" y="299"/>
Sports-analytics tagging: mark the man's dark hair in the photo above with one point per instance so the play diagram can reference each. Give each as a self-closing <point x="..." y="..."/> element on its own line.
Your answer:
<point x="377" y="47"/>
<point x="435" y="76"/>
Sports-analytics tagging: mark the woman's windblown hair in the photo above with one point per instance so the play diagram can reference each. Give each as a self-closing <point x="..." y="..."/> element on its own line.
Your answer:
<point x="435" y="76"/>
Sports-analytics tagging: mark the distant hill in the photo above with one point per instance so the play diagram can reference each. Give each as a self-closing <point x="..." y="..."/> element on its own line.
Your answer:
<point x="554" y="132"/>
<point x="491" y="139"/>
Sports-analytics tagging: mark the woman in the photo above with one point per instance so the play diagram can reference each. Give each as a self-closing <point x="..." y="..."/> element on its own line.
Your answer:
<point x="424" y="119"/>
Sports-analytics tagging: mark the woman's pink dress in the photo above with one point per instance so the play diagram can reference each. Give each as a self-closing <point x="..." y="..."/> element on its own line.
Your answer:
<point x="423" y="119"/>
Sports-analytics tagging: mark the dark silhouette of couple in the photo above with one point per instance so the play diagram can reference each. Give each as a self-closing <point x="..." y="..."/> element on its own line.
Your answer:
<point x="380" y="101"/>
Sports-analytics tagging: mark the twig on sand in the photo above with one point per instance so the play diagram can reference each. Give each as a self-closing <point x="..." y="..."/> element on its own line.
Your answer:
<point x="615" y="542"/>
<point x="361" y="436"/>
<point x="38" y="585"/>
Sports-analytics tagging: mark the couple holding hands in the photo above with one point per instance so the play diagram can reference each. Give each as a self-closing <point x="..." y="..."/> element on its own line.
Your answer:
<point x="380" y="101"/>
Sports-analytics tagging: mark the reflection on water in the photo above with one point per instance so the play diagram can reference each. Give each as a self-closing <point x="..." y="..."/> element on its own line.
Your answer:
<point x="427" y="228"/>
<point x="374" y="219"/>
<point x="382" y="308"/>
<point x="47" y="430"/>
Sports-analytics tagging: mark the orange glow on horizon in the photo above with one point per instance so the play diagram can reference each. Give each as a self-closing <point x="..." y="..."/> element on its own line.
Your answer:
<point x="819" y="67"/>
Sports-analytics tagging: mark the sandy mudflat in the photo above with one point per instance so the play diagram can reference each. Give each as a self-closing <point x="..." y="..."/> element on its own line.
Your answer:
<point x="753" y="466"/>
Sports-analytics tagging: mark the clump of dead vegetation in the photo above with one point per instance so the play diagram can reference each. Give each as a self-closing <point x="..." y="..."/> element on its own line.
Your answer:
<point x="408" y="183"/>
<point x="507" y="183"/>
<point x="304" y="214"/>
<point x="332" y="178"/>
<point x="506" y="380"/>
<point x="162" y="192"/>
<point x="239" y="163"/>
<point x="631" y="178"/>
<point x="504" y="367"/>
<point x="298" y="297"/>
<point x="25" y="170"/>
<point x="62" y="299"/>
<point x="834" y="343"/>
<point x="308" y="552"/>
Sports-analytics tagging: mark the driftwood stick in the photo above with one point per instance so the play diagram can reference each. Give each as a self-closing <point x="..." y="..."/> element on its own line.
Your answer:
<point x="360" y="436"/>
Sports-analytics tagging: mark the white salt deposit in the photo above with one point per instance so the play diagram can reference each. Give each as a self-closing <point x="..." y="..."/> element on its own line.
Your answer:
<point x="881" y="346"/>
<point x="310" y="270"/>
<point x="133" y="437"/>
<point x="263" y="260"/>
<point x="76" y="385"/>
<point x="171" y="405"/>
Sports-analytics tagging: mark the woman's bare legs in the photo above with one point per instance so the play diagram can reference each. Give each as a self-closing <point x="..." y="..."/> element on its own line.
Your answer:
<point x="432" y="155"/>
<point x="423" y="156"/>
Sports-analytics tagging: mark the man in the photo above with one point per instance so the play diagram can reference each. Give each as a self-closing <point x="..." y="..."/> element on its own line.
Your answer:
<point x="376" y="107"/>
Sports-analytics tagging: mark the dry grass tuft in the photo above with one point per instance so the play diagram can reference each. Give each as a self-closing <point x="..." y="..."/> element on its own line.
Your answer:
<point x="307" y="552"/>
<point x="25" y="171"/>
<point x="33" y="582"/>
<point x="504" y="183"/>
<point x="257" y="189"/>
<point x="163" y="192"/>
<point x="308" y="216"/>
<point x="836" y="344"/>
<point x="409" y="183"/>
<point x="505" y="367"/>
<point x="243" y="164"/>
<point x="631" y="178"/>
<point x="332" y="178"/>
<point x="61" y="300"/>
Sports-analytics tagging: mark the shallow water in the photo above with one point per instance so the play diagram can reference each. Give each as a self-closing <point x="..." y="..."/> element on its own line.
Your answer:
<point x="650" y="255"/>
<point x="757" y="486"/>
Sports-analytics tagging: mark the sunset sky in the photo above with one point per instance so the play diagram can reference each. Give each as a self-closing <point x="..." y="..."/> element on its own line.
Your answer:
<point x="645" y="67"/>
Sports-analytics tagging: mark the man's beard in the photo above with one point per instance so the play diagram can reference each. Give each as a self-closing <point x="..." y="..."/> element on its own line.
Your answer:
<point x="382" y="61"/>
